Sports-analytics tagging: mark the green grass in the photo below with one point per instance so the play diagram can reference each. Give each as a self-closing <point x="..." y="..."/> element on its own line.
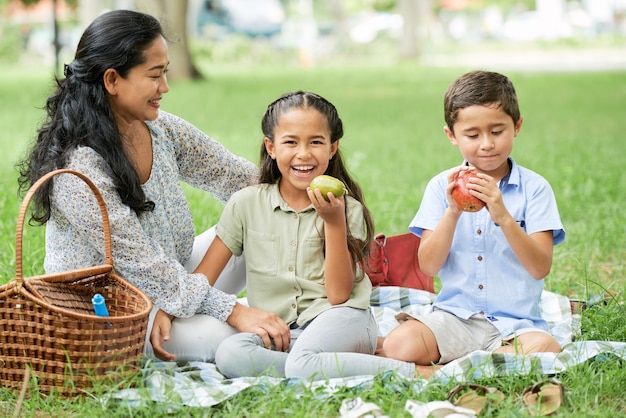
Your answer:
<point x="572" y="135"/>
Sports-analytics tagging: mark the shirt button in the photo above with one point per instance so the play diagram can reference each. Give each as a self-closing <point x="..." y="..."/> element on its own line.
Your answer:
<point x="478" y="231"/>
<point x="480" y="286"/>
<point x="295" y="216"/>
<point x="480" y="258"/>
<point x="293" y="306"/>
<point x="293" y="243"/>
<point x="290" y="268"/>
<point x="296" y="288"/>
<point x="481" y="312"/>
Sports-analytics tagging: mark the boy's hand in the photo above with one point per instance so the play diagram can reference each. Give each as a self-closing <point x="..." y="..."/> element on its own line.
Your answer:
<point x="454" y="174"/>
<point x="486" y="189"/>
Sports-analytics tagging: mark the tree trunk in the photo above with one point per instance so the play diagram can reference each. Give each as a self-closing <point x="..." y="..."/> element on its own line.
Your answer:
<point x="88" y="10"/>
<point x="173" y="16"/>
<point x="341" y="17"/>
<point x="417" y="16"/>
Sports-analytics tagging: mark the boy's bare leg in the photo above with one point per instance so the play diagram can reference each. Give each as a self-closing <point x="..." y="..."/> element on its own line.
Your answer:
<point x="531" y="342"/>
<point x="425" y="372"/>
<point x="412" y="341"/>
<point x="379" y="347"/>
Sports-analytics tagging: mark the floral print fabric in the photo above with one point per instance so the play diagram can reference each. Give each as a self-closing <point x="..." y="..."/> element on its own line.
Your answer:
<point x="151" y="249"/>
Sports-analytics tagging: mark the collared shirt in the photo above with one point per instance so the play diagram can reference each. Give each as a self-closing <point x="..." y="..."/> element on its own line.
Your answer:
<point x="151" y="249"/>
<point x="284" y="252"/>
<point x="481" y="273"/>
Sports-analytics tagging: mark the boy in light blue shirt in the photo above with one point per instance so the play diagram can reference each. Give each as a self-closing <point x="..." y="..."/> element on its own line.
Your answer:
<point x="491" y="262"/>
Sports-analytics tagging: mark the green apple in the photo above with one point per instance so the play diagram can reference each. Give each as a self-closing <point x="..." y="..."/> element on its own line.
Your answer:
<point x="327" y="184"/>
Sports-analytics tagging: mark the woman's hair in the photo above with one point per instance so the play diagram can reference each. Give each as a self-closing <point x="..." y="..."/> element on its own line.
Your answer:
<point x="480" y="88"/>
<point x="79" y="114"/>
<point x="336" y="168"/>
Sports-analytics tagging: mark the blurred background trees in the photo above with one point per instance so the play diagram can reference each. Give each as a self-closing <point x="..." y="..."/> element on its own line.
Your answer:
<point x="313" y="32"/>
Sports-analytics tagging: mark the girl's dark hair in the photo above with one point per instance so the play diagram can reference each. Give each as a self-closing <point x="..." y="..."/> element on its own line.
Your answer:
<point x="78" y="112"/>
<point x="336" y="168"/>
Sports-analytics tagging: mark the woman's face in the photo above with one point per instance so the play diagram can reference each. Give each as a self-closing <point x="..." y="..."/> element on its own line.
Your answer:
<point x="137" y="97"/>
<point x="302" y="148"/>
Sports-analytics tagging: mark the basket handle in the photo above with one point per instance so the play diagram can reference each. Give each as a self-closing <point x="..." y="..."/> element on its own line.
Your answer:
<point x="108" y="252"/>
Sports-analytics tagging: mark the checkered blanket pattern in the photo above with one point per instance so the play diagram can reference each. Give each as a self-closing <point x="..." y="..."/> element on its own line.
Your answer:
<point x="201" y="385"/>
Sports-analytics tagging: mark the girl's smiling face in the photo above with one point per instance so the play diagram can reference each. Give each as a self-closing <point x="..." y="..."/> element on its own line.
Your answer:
<point x="302" y="149"/>
<point x="484" y="136"/>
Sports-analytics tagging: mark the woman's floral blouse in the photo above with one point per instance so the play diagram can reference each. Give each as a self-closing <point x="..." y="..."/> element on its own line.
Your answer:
<point x="148" y="250"/>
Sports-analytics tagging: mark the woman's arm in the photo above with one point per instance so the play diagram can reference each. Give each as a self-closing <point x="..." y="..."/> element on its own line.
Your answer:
<point x="266" y="325"/>
<point x="161" y="328"/>
<point x="203" y="162"/>
<point x="76" y="238"/>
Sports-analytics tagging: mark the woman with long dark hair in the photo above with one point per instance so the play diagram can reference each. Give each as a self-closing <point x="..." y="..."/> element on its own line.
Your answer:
<point x="104" y="120"/>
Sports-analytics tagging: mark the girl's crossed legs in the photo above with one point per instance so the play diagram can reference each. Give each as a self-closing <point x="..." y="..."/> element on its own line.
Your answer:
<point x="337" y="343"/>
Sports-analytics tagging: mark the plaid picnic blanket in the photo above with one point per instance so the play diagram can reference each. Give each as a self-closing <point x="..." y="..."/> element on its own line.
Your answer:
<point x="200" y="384"/>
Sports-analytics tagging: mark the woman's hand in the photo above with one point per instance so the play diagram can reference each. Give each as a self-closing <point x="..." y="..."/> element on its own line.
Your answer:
<point x="161" y="328"/>
<point x="267" y="325"/>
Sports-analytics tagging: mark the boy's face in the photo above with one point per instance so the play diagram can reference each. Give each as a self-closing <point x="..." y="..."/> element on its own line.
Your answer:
<point x="484" y="135"/>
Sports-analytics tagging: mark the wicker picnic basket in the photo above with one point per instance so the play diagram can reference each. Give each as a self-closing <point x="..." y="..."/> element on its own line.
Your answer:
<point x="48" y="324"/>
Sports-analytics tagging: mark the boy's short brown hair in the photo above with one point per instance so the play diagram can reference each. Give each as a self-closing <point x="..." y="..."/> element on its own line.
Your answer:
<point x="480" y="88"/>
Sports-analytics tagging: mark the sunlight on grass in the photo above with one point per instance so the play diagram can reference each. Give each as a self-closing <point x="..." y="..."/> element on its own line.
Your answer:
<point x="393" y="144"/>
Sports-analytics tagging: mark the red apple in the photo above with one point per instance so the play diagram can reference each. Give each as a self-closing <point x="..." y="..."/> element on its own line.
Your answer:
<point x="461" y="195"/>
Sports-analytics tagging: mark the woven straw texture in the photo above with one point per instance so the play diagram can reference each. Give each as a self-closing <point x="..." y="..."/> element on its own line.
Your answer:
<point x="48" y="324"/>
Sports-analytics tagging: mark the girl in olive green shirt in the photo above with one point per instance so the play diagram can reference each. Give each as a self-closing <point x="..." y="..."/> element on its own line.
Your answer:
<point x="303" y="254"/>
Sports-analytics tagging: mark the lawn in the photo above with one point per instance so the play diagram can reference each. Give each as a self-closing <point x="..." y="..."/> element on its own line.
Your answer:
<point x="393" y="144"/>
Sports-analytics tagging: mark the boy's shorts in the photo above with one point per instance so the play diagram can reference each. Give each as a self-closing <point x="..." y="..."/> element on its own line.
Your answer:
<point x="457" y="337"/>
